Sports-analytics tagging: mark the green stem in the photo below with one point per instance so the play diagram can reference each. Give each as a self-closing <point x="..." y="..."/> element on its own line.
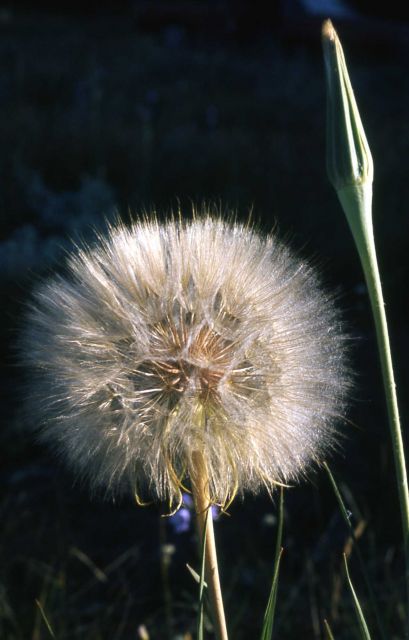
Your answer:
<point x="357" y="204"/>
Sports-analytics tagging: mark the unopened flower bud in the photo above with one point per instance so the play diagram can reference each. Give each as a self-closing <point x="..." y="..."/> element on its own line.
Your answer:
<point x="349" y="159"/>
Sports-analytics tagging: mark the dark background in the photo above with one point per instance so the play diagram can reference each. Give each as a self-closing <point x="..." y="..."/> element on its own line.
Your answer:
<point x="127" y="107"/>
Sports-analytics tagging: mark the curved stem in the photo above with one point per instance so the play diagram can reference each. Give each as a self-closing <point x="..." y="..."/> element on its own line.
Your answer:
<point x="201" y="496"/>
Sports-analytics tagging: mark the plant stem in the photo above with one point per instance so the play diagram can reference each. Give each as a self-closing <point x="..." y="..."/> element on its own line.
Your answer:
<point x="357" y="204"/>
<point x="351" y="171"/>
<point x="201" y="496"/>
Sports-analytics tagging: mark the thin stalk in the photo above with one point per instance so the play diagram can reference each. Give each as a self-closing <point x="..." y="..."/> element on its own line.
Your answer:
<point x="365" y="635"/>
<point x="201" y="496"/>
<point x="45" y="619"/>
<point x="328" y="632"/>
<point x="357" y="204"/>
<point x="351" y="171"/>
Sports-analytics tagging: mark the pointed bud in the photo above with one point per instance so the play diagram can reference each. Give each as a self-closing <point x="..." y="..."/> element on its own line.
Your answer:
<point x="349" y="160"/>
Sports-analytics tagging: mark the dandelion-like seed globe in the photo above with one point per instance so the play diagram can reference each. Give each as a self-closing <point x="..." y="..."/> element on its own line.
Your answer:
<point x="167" y="341"/>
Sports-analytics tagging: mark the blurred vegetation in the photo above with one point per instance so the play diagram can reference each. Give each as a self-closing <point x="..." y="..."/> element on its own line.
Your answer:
<point x="98" y="117"/>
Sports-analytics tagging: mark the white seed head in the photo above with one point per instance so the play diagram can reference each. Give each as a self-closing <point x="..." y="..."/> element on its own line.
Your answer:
<point x="168" y="339"/>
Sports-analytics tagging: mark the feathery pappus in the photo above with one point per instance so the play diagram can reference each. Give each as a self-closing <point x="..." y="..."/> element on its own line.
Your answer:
<point x="166" y="339"/>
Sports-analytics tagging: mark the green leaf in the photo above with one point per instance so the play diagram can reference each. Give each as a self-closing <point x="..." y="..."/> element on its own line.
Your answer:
<point x="365" y="635"/>
<point x="268" y="622"/>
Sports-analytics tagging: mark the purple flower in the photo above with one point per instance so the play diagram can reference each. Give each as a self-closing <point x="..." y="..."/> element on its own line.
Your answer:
<point x="181" y="520"/>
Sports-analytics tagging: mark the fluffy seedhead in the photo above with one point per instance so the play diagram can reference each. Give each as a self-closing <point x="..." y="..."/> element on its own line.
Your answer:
<point x="164" y="340"/>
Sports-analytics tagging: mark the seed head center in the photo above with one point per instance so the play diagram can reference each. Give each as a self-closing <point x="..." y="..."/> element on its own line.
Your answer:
<point x="178" y="375"/>
<point x="198" y="363"/>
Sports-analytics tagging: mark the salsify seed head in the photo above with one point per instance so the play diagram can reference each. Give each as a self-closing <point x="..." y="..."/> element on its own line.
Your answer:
<point x="165" y="340"/>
